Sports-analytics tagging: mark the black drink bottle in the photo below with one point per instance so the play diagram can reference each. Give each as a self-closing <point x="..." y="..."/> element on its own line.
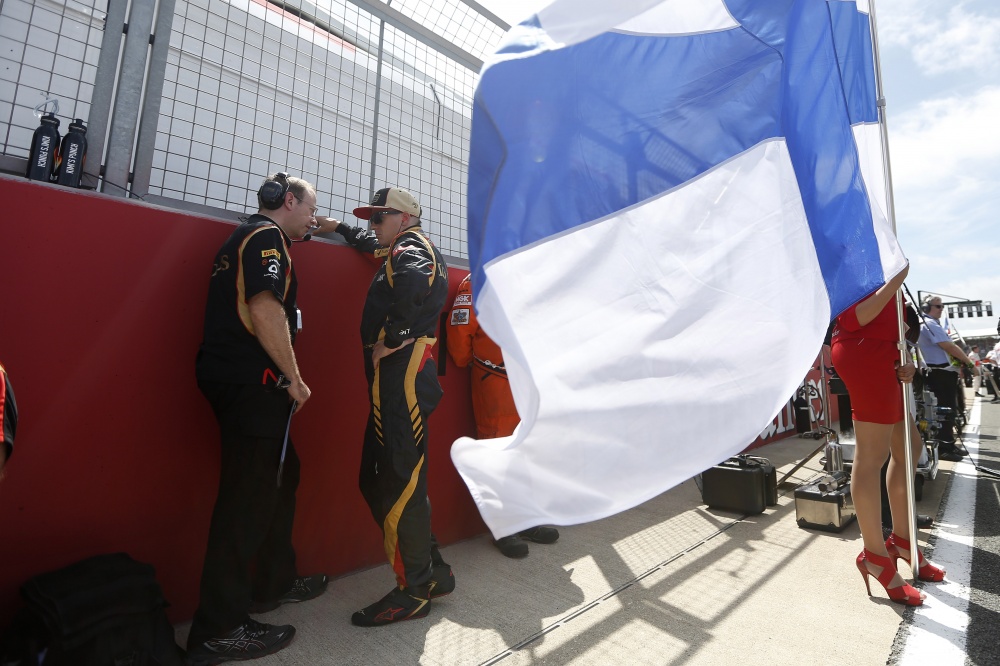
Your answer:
<point x="44" y="146"/>
<point x="72" y="154"/>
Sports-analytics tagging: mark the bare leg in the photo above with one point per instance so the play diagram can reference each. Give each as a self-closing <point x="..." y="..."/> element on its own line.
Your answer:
<point x="896" y="476"/>
<point x="870" y="453"/>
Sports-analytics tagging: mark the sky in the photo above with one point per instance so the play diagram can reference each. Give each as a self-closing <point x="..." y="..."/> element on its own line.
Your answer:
<point x="941" y="77"/>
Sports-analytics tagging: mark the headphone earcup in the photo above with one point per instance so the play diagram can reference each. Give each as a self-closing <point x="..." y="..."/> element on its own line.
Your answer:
<point x="271" y="194"/>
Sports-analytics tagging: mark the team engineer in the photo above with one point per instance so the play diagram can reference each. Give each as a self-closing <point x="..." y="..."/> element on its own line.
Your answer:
<point x="398" y="325"/>
<point x="246" y="369"/>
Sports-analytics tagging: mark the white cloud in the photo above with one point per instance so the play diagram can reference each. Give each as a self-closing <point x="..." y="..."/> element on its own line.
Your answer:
<point x="951" y="143"/>
<point x="961" y="40"/>
<point x="946" y="179"/>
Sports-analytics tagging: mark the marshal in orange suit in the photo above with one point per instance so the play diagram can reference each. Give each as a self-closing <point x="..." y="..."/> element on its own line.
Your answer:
<point x="492" y="402"/>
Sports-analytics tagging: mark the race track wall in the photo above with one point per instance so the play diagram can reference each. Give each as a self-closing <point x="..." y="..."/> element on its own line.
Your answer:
<point x="117" y="450"/>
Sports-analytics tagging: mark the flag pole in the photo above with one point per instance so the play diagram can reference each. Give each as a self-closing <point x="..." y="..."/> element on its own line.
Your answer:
<point x="911" y="514"/>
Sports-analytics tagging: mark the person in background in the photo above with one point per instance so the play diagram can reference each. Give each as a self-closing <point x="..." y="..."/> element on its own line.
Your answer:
<point x="865" y="350"/>
<point x="492" y="401"/>
<point x="977" y="373"/>
<point x="398" y="325"/>
<point x="992" y="366"/>
<point x="246" y="369"/>
<point x="8" y="419"/>
<point x="937" y="349"/>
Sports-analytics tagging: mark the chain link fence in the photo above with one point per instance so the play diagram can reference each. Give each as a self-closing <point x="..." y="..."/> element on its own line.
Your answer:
<point x="49" y="49"/>
<point x="352" y="95"/>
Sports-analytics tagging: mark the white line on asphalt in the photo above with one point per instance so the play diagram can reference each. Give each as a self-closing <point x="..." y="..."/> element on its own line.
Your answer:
<point x="937" y="633"/>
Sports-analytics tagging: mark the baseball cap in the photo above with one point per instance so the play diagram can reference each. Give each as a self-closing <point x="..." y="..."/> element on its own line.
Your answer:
<point x="389" y="198"/>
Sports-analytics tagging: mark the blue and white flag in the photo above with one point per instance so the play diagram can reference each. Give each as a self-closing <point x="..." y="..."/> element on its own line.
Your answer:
<point x="668" y="201"/>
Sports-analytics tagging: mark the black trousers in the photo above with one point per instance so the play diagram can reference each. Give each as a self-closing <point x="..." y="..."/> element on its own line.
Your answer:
<point x="252" y="520"/>
<point x="403" y="392"/>
<point x="944" y="384"/>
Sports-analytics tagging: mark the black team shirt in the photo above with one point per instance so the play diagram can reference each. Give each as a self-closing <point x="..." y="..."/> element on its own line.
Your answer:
<point x="254" y="259"/>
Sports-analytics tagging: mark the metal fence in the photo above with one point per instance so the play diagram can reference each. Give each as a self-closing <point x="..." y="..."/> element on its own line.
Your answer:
<point x="49" y="48"/>
<point x="191" y="103"/>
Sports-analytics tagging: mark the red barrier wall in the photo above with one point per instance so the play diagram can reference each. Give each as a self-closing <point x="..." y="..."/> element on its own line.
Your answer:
<point x="100" y="319"/>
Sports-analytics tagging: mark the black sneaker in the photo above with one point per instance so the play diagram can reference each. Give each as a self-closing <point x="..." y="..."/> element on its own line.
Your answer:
<point x="442" y="581"/>
<point x="540" y="534"/>
<point x="923" y="522"/>
<point x="410" y="603"/>
<point x="512" y="546"/>
<point x="250" y="640"/>
<point x="303" y="589"/>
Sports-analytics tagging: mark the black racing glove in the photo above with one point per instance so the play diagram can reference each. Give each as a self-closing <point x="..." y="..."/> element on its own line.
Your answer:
<point x="350" y="234"/>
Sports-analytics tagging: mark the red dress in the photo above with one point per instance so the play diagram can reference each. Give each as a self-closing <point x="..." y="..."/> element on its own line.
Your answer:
<point x="865" y="358"/>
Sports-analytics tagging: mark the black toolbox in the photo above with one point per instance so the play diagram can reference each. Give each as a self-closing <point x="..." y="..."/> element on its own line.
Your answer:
<point x="746" y="484"/>
<point x="825" y="504"/>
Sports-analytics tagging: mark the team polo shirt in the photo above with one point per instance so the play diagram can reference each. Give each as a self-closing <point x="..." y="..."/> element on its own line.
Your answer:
<point x="253" y="260"/>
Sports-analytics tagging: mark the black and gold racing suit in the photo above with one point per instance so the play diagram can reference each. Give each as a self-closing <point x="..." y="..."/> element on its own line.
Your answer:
<point x="404" y="300"/>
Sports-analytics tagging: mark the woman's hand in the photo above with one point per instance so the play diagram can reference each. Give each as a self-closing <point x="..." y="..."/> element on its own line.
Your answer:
<point x="904" y="373"/>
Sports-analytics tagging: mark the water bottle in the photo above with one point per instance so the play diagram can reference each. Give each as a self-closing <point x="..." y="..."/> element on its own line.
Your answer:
<point x="44" y="146"/>
<point x="72" y="154"/>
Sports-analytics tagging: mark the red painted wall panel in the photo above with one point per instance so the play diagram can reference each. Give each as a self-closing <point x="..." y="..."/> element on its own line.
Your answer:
<point x="100" y="321"/>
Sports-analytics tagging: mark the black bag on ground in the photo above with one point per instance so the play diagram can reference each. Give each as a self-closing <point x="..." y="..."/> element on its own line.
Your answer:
<point x="770" y="479"/>
<point x="742" y="483"/>
<point x="107" y="610"/>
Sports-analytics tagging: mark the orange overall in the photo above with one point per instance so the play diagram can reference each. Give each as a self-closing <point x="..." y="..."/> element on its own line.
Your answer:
<point x="492" y="402"/>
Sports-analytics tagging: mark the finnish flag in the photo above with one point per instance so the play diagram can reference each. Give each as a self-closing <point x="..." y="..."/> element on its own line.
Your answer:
<point x="668" y="202"/>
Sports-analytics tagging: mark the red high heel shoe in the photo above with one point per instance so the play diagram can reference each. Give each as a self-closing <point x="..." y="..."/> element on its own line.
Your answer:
<point x="899" y="549"/>
<point x="904" y="594"/>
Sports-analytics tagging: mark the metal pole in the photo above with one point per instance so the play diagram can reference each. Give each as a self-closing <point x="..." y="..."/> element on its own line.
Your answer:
<point x="378" y="99"/>
<point x="149" y="115"/>
<point x="891" y="210"/>
<point x="824" y="397"/>
<point x="125" y="112"/>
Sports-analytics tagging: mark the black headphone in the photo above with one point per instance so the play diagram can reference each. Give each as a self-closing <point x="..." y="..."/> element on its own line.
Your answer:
<point x="271" y="194"/>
